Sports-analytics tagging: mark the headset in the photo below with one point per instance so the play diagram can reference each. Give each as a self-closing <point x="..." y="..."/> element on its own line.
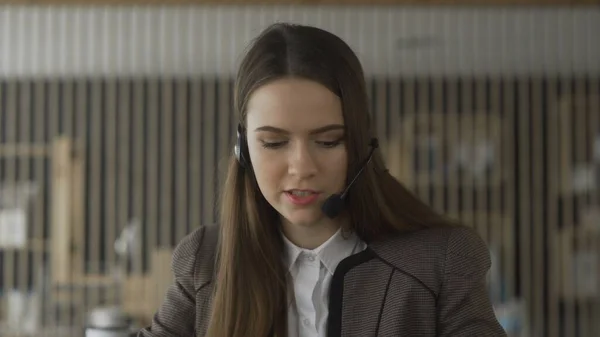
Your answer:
<point x="241" y="148"/>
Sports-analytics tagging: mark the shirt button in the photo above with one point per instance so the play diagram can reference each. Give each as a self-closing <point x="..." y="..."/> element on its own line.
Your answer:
<point x="306" y="322"/>
<point x="311" y="258"/>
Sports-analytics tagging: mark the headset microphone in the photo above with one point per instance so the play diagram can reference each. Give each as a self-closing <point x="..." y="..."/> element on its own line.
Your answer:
<point x="333" y="206"/>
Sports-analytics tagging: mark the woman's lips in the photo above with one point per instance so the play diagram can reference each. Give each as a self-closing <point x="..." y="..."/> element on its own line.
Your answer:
<point x="302" y="197"/>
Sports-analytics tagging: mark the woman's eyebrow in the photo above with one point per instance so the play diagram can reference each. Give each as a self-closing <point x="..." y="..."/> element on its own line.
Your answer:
<point x="322" y="129"/>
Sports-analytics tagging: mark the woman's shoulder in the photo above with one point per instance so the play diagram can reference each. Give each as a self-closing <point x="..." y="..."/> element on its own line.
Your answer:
<point x="429" y="254"/>
<point x="194" y="255"/>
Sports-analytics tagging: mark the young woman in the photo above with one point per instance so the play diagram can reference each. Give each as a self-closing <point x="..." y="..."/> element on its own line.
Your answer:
<point x="298" y="251"/>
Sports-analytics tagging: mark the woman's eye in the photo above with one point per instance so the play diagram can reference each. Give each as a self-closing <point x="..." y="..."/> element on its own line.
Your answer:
<point x="272" y="145"/>
<point x="329" y="143"/>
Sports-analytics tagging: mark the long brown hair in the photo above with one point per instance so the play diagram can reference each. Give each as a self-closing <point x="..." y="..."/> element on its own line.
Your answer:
<point x="250" y="297"/>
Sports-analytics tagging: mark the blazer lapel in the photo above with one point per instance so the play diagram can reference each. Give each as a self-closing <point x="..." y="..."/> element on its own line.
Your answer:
<point x="356" y="296"/>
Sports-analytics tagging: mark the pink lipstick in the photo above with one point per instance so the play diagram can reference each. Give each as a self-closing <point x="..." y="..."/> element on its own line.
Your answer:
<point x="302" y="197"/>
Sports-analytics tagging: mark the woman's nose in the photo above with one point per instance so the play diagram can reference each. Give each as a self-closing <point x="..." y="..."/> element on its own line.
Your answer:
<point x="302" y="161"/>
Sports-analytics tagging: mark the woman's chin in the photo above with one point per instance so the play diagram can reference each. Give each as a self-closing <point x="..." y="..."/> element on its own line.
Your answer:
<point x="304" y="218"/>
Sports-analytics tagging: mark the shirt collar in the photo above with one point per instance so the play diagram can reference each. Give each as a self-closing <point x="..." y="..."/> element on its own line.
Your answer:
<point x="330" y="253"/>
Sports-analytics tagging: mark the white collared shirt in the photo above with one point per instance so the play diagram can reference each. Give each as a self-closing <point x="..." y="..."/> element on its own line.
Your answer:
<point x="310" y="273"/>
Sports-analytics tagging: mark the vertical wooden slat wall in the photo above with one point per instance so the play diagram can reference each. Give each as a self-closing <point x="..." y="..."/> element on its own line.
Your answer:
<point x="165" y="222"/>
<point x="155" y="151"/>
<point x="23" y="173"/>
<point x="508" y="160"/>
<point x="538" y="215"/>
<point x="594" y="129"/>
<point x="142" y="166"/>
<point x="9" y="174"/>
<point x="536" y="206"/>
<point x="553" y="168"/>
<point x="181" y="162"/>
<point x="39" y="224"/>
<point x="125" y="146"/>
<point x="195" y="154"/>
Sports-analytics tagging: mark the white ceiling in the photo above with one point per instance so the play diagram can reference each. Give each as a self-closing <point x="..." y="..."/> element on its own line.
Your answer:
<point x="72" y="41"/>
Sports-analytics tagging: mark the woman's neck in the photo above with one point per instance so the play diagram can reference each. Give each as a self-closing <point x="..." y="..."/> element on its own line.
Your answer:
<point x="311" y="236"/>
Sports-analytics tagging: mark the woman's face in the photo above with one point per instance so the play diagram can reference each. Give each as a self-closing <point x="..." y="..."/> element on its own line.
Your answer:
<point x="295" y="132"/>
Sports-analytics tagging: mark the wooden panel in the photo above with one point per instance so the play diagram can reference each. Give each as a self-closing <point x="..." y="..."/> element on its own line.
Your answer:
<point x="166" y="163"/>
<point x="552" y="212"/>
<point x="209" y="135"/>
<point x="226" y="123"/>
<point x="61" y="220"/>
<point x="110" y="224"/>
<point x="497" y="230"/>
<point x="24" y="176"/>
<point x="453" y="135"/>
<point x="181" y="161"/>
<point x="10" y="120"/>
<point x="152" y="145"/>
<point x="536" y="210"/>
<point x="195" y="160"/>
<point x="508" y="159"/>
<point x="379" y="98"/>
<point x="81" y="184"/>
<point x="425" y="144"/>
<point x="94" y="262"/>
<point x="437" y="200"/>
<point x="138" y="161"/>
<point x="143" y="294"/>
<point x="523" y="133"/>
<point x="125" y="143"/>
<point x="147" y="191"/>
<point x="594" y="129"/>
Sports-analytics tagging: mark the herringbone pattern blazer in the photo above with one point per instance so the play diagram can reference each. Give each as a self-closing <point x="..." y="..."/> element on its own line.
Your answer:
<point x="425" y="283"/>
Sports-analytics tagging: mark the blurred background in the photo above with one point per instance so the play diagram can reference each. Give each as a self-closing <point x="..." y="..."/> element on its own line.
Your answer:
<point x="116" y="120"/>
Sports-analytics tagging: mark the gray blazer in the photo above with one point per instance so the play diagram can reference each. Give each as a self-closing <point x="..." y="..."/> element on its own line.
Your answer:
<point x="426" y="283"/>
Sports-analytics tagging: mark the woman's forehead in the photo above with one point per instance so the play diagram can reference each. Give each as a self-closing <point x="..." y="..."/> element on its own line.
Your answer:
<point x="294" y="104"/>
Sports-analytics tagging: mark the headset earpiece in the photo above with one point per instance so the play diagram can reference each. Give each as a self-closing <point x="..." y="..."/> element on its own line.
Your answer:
<point x="240" y="147"/>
